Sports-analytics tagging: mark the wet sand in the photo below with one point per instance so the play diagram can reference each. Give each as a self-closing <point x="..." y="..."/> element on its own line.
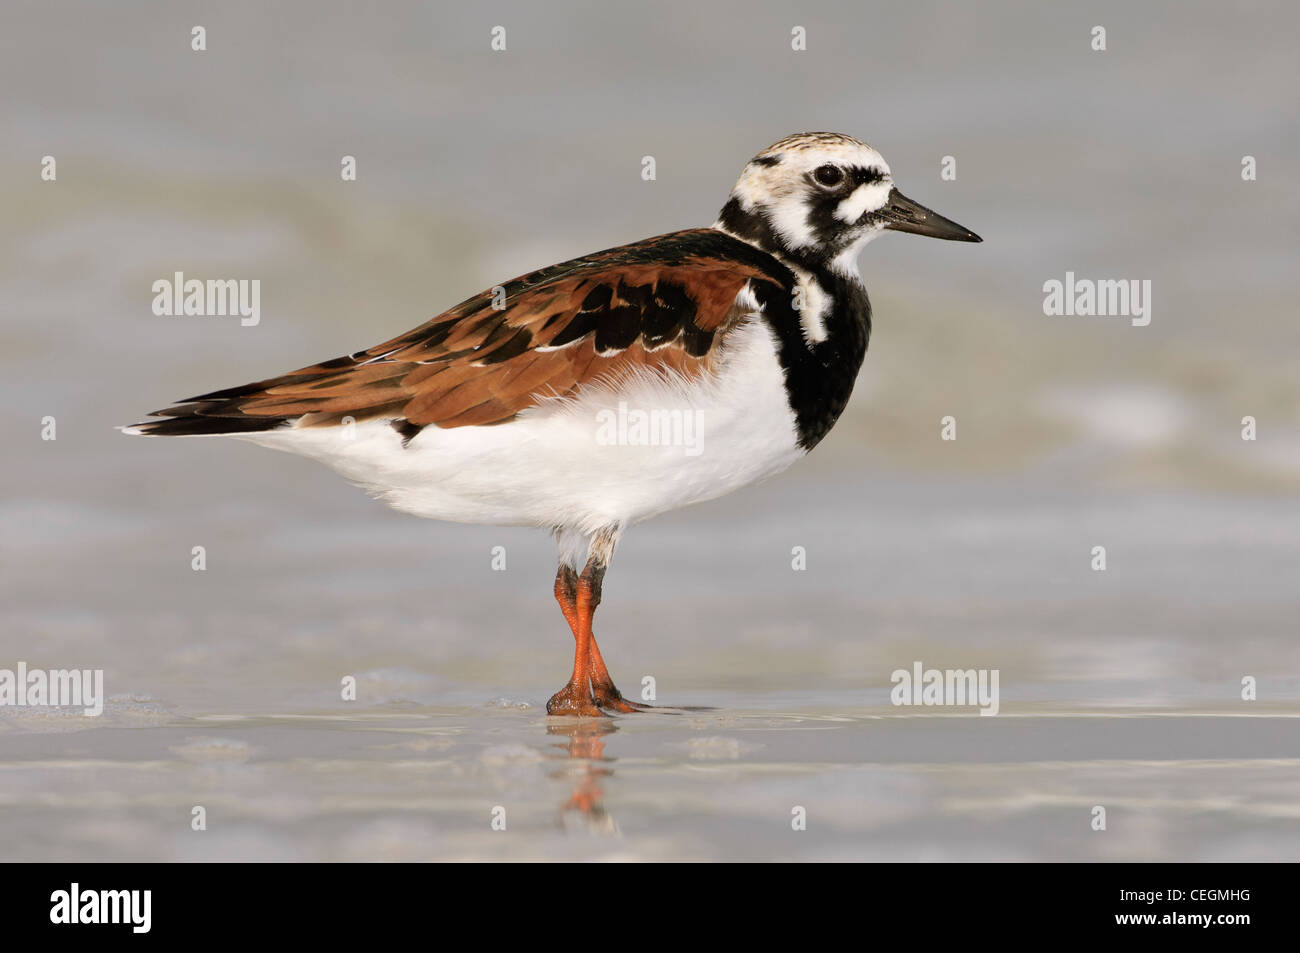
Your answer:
<point x="1119" y="689"/>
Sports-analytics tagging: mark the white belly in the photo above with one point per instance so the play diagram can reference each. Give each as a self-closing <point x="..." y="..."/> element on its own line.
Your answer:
<point x="600" y="459"/>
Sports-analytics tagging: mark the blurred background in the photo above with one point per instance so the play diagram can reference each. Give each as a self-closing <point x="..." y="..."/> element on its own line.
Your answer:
<point x="1119" y="688"/>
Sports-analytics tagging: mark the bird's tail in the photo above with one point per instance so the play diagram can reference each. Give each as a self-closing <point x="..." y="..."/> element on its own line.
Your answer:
<point x="220" y="412"/>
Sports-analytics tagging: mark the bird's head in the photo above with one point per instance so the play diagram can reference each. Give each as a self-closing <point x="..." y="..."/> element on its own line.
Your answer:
<point x="819" y="197"/>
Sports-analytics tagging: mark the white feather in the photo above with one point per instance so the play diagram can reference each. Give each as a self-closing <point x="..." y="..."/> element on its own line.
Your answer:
<point x="812" y="316"/>
<point x="548" y="468"/>
<point x="863" y="199"/>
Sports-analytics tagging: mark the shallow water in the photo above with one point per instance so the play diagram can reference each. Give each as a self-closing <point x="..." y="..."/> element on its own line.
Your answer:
<point x="424" y="783"/>
<point x="1119" y="688"/>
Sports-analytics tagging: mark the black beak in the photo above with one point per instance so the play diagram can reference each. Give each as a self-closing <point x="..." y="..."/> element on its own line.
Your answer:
<point x="903" y="215"/>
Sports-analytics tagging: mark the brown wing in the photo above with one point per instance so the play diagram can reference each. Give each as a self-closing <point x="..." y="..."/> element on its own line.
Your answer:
<point x="662" y="304"/>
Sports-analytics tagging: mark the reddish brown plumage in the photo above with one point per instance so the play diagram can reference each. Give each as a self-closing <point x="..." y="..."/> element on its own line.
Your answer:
<point x="661" y="304"/>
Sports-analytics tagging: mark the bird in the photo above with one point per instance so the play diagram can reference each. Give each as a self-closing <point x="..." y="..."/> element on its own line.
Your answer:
<point x="591" y="395"/>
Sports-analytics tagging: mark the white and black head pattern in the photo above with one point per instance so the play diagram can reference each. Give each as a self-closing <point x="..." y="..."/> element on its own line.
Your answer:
<point x="815" y="195"/>
<point x="814" y="199"/>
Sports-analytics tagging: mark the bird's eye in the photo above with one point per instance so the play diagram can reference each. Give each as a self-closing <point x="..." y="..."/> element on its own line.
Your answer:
<point x="828" y="175"/>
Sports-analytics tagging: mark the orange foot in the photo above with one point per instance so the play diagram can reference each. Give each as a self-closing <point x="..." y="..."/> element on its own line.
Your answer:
<point x="575" y="702"/>
<point x="609" y="698"/>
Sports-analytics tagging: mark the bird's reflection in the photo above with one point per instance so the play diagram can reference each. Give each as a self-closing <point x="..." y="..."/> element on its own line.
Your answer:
<point x="586" y="765"/>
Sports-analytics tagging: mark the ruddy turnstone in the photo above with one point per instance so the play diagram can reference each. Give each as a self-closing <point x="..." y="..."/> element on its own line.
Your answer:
<point x="513" y="407"/>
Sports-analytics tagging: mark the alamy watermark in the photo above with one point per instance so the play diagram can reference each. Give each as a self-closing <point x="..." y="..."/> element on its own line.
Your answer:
<point x="1106" y="297"/>
<point x="949" y="687"/>
<point x="216" y="296"/>
<point x="128" y="907"/>
<point x="658" y="427"/>
<point x="55" y="688"/>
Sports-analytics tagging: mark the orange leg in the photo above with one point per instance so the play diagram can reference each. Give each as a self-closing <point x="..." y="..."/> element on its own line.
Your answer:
<point x="575" y="698"/>
<point x="590" y="689"/>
